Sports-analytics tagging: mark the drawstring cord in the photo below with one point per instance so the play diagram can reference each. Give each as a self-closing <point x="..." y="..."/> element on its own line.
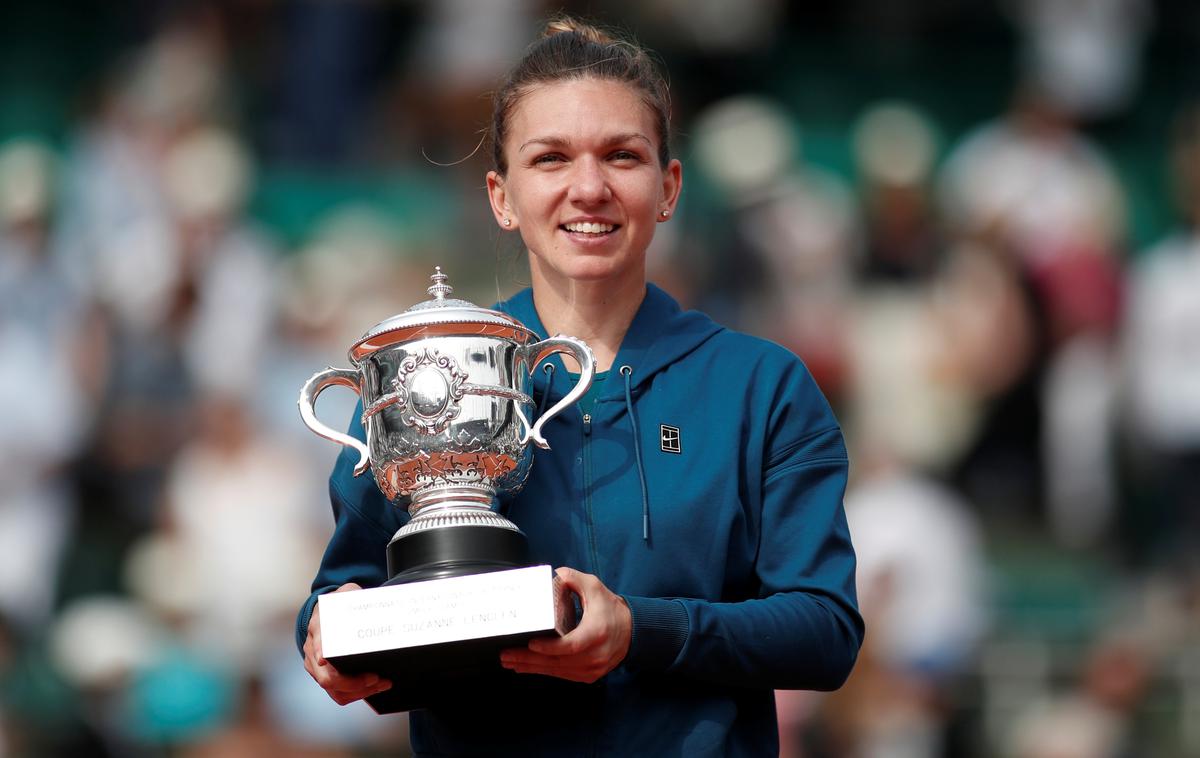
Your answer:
<point x="627" y="372"/>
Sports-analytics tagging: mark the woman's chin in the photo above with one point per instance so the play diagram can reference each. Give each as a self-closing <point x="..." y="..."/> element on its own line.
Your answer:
<point x="588" y="269"/>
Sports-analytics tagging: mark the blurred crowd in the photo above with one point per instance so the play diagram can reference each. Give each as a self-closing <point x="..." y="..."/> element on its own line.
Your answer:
<point x="242" y="188"/>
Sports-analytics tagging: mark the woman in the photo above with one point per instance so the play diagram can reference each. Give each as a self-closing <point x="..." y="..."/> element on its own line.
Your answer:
<point x="697" y="496"/>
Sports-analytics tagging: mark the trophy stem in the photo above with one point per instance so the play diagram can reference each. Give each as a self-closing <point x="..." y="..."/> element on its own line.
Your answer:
<point x="465" y="496"/>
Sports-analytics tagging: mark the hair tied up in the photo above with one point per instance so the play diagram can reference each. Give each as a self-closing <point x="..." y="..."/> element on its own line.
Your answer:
<point x="568" y="25"/>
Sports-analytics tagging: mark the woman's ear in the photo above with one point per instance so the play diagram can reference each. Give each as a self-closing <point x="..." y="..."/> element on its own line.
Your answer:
<point x="498" y="197"/>
<point x="672" y="186"/>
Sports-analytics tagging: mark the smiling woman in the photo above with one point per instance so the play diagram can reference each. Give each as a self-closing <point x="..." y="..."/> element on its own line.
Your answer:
<point x="694" y="504"/>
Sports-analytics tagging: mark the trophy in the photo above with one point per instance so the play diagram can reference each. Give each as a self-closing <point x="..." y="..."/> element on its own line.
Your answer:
<point x="447" y="414"/>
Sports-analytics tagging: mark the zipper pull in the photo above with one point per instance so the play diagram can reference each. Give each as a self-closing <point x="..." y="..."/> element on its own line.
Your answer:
<point x="587" y="424"/>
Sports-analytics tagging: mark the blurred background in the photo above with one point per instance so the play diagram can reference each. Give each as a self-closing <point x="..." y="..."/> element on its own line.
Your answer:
<point x="976" y="222"/>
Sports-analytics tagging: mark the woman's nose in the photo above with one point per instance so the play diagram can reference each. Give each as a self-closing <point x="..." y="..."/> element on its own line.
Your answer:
<point x="589" y="185"/>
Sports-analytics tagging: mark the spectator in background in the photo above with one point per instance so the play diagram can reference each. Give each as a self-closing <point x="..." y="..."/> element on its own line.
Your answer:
<point x="44" y="400"/>
<point x="1096" y="718"/>
<point x="789" y="235"/>
<point x="1031" y="186"/>
<point x="895" y="147"/>
<point x="1031" y="189"/>
<point x="115" y="227"/>
<point x="324" y="64"/>
<point x="1161" y="372"/>
<point x="922" y="584"/>
<point x="228" y="265"/>
<point x="1085" y="54"/>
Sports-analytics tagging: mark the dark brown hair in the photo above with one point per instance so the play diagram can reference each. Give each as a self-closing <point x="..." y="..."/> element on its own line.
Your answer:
<point x="569" y="49"/>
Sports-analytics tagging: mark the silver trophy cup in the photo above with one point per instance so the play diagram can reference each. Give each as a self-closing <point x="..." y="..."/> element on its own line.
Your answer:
<point x="448" y="419"/>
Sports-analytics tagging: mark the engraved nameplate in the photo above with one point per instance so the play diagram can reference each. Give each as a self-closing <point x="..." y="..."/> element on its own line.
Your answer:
<point x="438" y="611"/>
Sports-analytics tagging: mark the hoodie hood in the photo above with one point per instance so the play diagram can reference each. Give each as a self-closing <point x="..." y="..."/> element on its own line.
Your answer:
<point x="661" y="333"/>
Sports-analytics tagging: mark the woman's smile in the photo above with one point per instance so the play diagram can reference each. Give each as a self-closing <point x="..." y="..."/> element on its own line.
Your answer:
<point x="589" y="233"/>
<point x="591" y="228"/>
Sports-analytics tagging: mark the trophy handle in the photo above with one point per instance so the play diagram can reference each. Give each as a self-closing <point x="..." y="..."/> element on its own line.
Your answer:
<point x="308" y="398"/>
<point x="587" y="368"/>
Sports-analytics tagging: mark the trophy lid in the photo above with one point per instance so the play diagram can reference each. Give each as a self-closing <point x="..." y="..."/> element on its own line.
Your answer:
<point x="440" y="316"/>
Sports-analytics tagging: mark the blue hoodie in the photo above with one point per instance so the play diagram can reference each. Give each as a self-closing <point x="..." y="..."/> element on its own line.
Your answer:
<point x="727" y="539"/>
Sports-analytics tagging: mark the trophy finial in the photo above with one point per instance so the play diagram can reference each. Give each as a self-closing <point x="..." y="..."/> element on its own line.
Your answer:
<point x="439" y="289"/>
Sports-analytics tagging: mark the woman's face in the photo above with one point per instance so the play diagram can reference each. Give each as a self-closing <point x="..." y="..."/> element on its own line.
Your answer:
<point x="584" y="185"/>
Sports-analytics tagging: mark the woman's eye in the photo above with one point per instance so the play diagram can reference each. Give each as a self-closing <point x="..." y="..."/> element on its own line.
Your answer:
<point x="624" y="155"/>
<point x="548" y="158"/>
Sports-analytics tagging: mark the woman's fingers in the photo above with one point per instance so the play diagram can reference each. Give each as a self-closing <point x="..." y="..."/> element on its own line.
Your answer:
<point x="342" y="688"/>
<point x="590" y="650"/>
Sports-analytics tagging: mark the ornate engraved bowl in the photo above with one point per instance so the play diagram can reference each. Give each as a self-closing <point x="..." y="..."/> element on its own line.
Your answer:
<point x="445" y="388"/>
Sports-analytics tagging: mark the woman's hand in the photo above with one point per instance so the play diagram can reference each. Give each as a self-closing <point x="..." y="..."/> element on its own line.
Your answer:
<point x="343" y="688"/>
<point x="590" y="650"/>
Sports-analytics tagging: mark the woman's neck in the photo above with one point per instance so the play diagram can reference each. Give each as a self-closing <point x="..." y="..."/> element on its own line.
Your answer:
<point x="599" y="313"/>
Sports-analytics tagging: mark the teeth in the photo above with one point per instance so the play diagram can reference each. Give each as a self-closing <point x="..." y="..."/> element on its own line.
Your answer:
<point x="587" y="227"/>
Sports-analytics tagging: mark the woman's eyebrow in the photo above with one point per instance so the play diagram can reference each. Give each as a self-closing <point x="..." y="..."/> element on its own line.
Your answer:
<point x="618" y="139"/>
<point x="547" y="141"/>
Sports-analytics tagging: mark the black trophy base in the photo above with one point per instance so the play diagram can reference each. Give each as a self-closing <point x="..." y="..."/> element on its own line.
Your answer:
<point x="444" y="552"/>
<point x="447" y="675"/>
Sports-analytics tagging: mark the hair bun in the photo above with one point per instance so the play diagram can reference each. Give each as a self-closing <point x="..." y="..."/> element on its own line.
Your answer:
<point x="568" y="25"/>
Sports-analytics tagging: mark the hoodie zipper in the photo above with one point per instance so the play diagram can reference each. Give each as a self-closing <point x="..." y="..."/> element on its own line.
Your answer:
<point x="587" y="493"/>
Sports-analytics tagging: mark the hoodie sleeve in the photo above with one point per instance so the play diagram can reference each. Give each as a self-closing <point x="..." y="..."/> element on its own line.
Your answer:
<point x="364" y="522"/>
<point x="803" y="630"/>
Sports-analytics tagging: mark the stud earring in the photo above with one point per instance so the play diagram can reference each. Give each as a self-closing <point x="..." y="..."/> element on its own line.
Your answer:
<point x="665" y="214"/>
<point x="508" y="222"/>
